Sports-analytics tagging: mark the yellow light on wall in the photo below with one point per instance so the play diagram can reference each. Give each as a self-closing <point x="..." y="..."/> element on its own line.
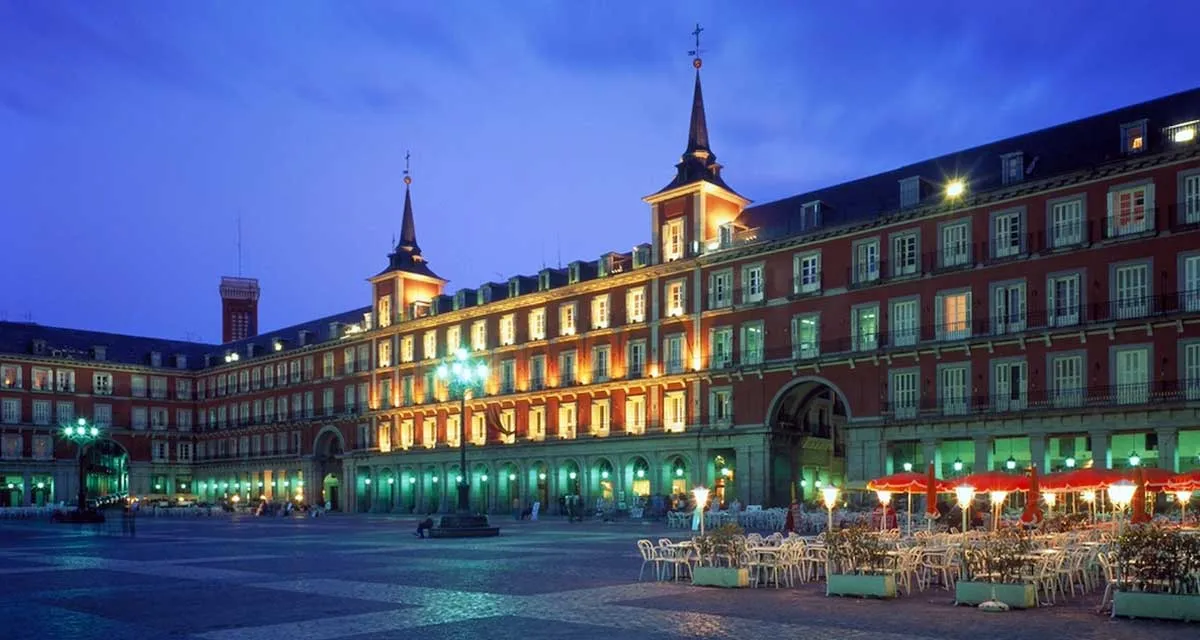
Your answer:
<point x="956" y="188"/>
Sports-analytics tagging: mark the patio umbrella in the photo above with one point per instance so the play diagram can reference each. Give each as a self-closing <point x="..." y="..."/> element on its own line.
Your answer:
<point x="1189" y="481"/>
<point x="1137" y="507"/>
<point x="988" y="481"/>
<point x="1092" y="479"/>
<point x="1033" y="512"/>
<point x="931" y="491"/>
<point x="907" y="482"/>
<point x="1156" y="479"/>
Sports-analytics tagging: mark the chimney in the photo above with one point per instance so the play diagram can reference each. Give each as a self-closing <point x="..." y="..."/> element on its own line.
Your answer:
<point x="239" y="308"/>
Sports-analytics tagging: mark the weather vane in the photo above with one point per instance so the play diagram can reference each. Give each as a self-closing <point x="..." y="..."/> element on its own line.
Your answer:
<point x="695" y="53"/>
<point x="407" y="172"/>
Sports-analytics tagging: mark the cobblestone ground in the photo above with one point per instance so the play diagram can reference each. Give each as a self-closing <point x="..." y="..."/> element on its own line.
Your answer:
<point x="367" y="577"/>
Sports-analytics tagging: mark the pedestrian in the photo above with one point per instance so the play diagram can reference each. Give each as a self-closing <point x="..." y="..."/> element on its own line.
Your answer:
<point x="425" y="525"/>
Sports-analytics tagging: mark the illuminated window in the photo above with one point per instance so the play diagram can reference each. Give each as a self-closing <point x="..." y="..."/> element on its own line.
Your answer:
<point x="805" y="335"/>
<point x="385" y="311"/>
<point x="635" y="414"/>
<point x="385" y="353"/>
<point x="1133" y="137"/>
<point x="429" y="345"/>
<point x="600" y="312"/>
<point x="566" y="421"/>
<point x="635" y="305"/>
<point x="675" y="411"/>
<point x="599" y="423"/>
<point x="537" y="324"/>
<point x="479" y="335"/>
<point x="453" y="430"/>
<point x="954" y="315"/>
<point x="673" y="240"/>
<point x="453" y="338"/>
<point x="537" y="423"/>
<point x="675" y="298"/>
<point x="429" y="432"/>
<point x="865" y="328"/>
<point x="406" y="433"/>
<point x="1130" y="210"/>
<point x="508" y="331"/>
<point x="752" y="343"/>
<point x="508" y="426"/>
<point x="566" y="319"/>
<point x="479" y="428"/>
<point x="720" y="347"/>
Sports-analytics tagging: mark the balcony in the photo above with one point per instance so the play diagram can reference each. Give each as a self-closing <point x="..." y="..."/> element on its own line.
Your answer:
<point x="1041" y="401"/>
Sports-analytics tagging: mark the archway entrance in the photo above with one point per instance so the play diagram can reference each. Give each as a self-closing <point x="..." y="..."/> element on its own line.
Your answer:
<point x="107" y="470"/>
<point x="327" y="458"/>
<point x="808" y="441"/>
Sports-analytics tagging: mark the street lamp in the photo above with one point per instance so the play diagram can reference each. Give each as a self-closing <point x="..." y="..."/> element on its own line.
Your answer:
<point x="1183" y="495"/>
<point x="998" y="498"/>
<point x="1051" y="499"/>
<point x="830" y="495"/>
<point x="885" y="498"/>
<point x="701" y="496"/>
<point x="965" y="494"/>
<point x="82" y="434"/>
<point x="907" y="467"/>
<point x="462" y="375"/>
<point x="1121" y="494"/>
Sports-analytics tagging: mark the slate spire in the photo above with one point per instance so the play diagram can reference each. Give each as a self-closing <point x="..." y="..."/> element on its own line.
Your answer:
<point x="406" y="255"/>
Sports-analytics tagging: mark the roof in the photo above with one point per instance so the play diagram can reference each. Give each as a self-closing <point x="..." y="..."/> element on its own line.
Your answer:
<point x="406" y="256"/>
<point x="1078" y="145"/>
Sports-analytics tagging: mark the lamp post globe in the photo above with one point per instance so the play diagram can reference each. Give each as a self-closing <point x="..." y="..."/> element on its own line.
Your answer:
<point x="463" y="376"/>
<point x="83" y="435"/>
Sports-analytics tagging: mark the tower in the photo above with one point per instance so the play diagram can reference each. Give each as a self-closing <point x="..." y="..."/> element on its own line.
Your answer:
<point x="239" y="308"/>
<point x="697" y="209"/>
<point x="407" y="286"/>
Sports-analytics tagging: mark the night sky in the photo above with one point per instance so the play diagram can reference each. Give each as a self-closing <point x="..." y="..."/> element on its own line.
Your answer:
<point x="133" y="134"/>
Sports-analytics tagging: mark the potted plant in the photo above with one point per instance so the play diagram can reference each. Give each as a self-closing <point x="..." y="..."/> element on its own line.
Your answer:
<point x="859" y="564"/>
<point x="725" y="542"/>
<point x="992" y="572"/>
<point x="1158" y="574"/>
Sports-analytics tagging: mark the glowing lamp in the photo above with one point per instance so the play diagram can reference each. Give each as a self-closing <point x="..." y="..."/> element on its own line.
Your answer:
<point x="391" y="481"/>
<point x="701" y="496"/>
<point x="1184" y="135"/>
<point x="885" y="497"/>
<point x="95" y="432"/>
<point x="604" y="474"/>
<point x="829" y="495"/>
<point x="1183" y="496"/>
<point x="1050" y="499"/>
<point x="958" y="464"/>
<point x="434" y="479"/>
<point x="367" y="481"/>
<point x="907" y="466"/>
<point x="1010" y="464"/>
<point x="679" y="472"/>
<point x="412" y="480"/>
<point x="572" y="475"/>
<point x="956" y="188"/>
<point x="542" y="476"/>
<point x="1088" y="496"/>
<point x="641" y="473"/>
<point x="1070" y="462"/>
<point x="512" y="476"/>
<point x="997" y="496"/>
<point x="483" y="478"/>
<point x="1134" y="459"/>
<point x="458" y="478"/>
<point x="1121" y="493"/>
<point x="965" y="494"/>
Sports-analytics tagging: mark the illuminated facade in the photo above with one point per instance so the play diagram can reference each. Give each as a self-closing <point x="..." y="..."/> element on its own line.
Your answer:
<point x="1033" y="300"/>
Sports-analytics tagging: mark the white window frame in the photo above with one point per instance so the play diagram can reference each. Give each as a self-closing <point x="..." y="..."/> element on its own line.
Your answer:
<point x="754" y="286"/>
<point x="865" y="259"/>
<point x="568" y="420"/>
<point x="429" y="345"/>
<point x="1189" y="197"/>
<point x="675" y="411"/>
<point x="1066" y="221"/>
<point x="957" y="329"/>
<point x="806" y="272"/>
<point x="1009" y="303"/>
<point x="1067" y="378"/>
<point x="635" y="305"/>
<point x="508" y="330"/>
<point x="720" y="347"/>
<point x="806" y="348"/>
<point x="674" y="243"/>
<point x="537" y="324"/>
<point x="600" y="422"/>
<point x="1004" y="396"/>
<point x="753" y="343"/>
<point x="567" y="319"/>
<point x="954" y="399"/>
<point x="535" y="428"/>
<point x="1131" y="289"/>
<point x="904" y="392"/>
<point x="954" y="244"/>
<point x="407" y="348"/>
<point x="903" y="262"/>
<point x="1130" y="385"/>
<point x="599" y="312"/>
<point x="1140" y="217"/>
<point x="601" y="363"/>
<point x="1189" y="369"/>
<point x="635" y="414"/>
<point x="1007" y="230"/>
<point x="862" y="340"/>
<point x="720" y="406"/>
<point x="635" y="359"/>
<point x="675" y="298"/>
<point x="904" y="334"/>
<point x="1188" y="272"/>
<point x="1060" y="313"/>
<point x="720" y="289"/>
<point x="673" y="356"/>
<point x="568" y="367"/>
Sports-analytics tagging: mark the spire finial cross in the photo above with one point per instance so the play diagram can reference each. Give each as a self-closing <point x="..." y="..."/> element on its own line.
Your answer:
<point x="407" y="169"/>
<point x="695" y="53"/>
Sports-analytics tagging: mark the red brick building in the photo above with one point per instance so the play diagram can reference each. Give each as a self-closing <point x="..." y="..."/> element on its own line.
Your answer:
<point x="1034" y="300"/>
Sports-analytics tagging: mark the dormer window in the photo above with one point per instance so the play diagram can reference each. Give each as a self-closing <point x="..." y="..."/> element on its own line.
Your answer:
<point x="641" y="256"/>
<point x="810" y="215"/>
<point x="155" y="359"/>
<point x="304" y="337"/>
<point x="420" y="308"/>
<point x="673" y="246"/>
<point x="573" y="273"/>
<point x="725" y="234"/>
<point x="544" y="281"/>
<point x="1133" y="137"/>
<point x="1012" y="167"/>
<point x="180" y="361"/>
<point x="278" y="345"/>
<point x="460" y="300"/>
<point x="910" y="192"/>
<point x="367" y="322"/>
<point x="99" y="352"/>
<point x="1182" y="133"/>
<point x="514" y="288"/>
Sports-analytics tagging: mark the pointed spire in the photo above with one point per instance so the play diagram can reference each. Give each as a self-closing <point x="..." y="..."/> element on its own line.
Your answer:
<point x="406" y="256"/>
<point x="408" y="227"/>
<point x="698" y="128"/>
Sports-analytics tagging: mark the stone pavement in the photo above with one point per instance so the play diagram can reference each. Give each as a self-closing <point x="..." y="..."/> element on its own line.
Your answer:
<point x="367" y="577"/>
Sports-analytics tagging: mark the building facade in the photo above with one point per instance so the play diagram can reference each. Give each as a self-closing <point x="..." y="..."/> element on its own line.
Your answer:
<point x="1031" y="301"/>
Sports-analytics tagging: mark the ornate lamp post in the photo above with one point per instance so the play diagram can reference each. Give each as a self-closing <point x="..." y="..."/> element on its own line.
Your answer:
<point x="701" y="496"/>
<point x="82" y="434"/>
<point x="463" y="375"/>
<point x="829" y="495"/>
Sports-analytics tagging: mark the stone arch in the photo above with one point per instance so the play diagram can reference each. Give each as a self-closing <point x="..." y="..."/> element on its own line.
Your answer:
<point x="328" y="447"/>
<point x="639" y="484"/>
<point x="323" y="445"/>
<point x="807" y="422"/>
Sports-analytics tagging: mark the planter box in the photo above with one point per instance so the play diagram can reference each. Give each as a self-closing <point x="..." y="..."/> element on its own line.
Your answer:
<point x="1134" y="604"/>
<point x="840" y="584"/>
<point x="720" y="577"/>
<point x="1017" y="596"/>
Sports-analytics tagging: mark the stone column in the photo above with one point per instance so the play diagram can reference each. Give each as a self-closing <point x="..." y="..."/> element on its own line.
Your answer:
<point x="931" y="453"/>
<point x="1038" y="455"/>
<point x="1168" y="449"/>
<point x="1101" y="454"/>
<point x="26" y="488"/>
<point x="983" y="454"/>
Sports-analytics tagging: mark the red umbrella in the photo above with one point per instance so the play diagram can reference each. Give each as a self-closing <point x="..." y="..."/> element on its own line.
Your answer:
<point x="1156" y="479"/>
<point x="1138" y="506"/>
<point x="1033" y="511"/>
<point x="905" y="482"/>
<point x="988" y="481"/>
<point x="1189" y="481"/>
<point x="1081" y="480"/>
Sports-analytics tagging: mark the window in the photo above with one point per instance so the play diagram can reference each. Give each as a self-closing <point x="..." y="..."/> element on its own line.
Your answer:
<point x="566" y="368"/>
<point x="635" y="414"/>
<point x="407" y="348"/>
<point x="453" y="430"/>
<point x="102" y="384"/>
<point x="139" y="417"/>
<point x="406" y="433"/>
<point x="1008" y="307"/>
<point x="673" y="353"/>
<point x="160" y="451"/>
<point x="137" y="385"/>
<point x="479" y="335"/>
<point x="536" y="430"/>
<point x="675" y="411"/>
<point x="1006" y="234"/>
<point x="102" y="415"/>
<point x="1189" y="282"/>
<point x="1012" y="167"/>
<point x="1066" y="223"/>
<point x="348" y="399"/>
<point x="308" y="370"/>
<point x="10" y="411"/>
<point x="1062" y="300"/>
<point x="385" y="311"/>
<point x="672" y="240"/>
<point x="508" y="426"/>
<point x="720" y="406"/>
<point x="720" y="289"/>
<point x="183" y="451"/>
<point x="1066" y="380"/>
<point x="65" y="379"/>
<point x="43" y="448"/>
<point x="956" y="245"/>
<point x="326" y="367"/>
<point x="806" y="273"/>
<point x="537" y="324"/>
<point x="1010" y="385"/>
<point x="910" y="192"/>
<point x="406" y="390"/>
<point x="906" y="258"/>
<point x="453" y="339"/>
<point x="429" y="432"/>
<point x="952" y="389"/>
<point x="294" y="370"/>
<point x="385" y="352"/>
<point x="566" y="319"/>
<point x="1189" y="198"/>
<point x="635" y="359"/>
<point x="429" y="345"/>
<point x="600" y="418"/>
<point x="635" y="305"/>
<point x="479" y="428"/>
<point x="752" y="343"/>
<point x="537" y="373"/>
<point x="720" y="347"/>
<point x="675" y="299"/>
<point x="954" y="315"/>
<point x="1131" y="210"/>
<point x="65" y="411"/>
<point x="865" y="327"/>
<point x="41" y="412"/>
<point x="1131" y="374"/>
<point x="600" y="312"/>
<point x="1133" y="137"/>
<point x="508" y="376"/>
<point x="508" y="330"/>
<point x="806" y="335"/>
<point x="904" y="323"/>
<point x="566" y="421"/>
<point x="1131" y="290"/>
<point x="903" y="390"/>
<point x="866" y="261"/>
<point x="10" y="377"/>
<point x="752" y="284"/>
<point x="600" y="363"/>
<point x="42" y="380"/>
<point x="1190" y="370"/>
<point x="13" y="445"/>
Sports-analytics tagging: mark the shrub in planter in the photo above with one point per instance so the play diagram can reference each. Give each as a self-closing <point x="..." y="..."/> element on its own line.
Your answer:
<point x="992" y="571"/>
<point x="726" y="541"/>
<point x="1158" y="574"/>
<point x="858" y="564"/>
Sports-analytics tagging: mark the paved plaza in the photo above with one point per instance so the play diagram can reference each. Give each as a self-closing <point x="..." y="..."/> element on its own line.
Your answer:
<point x="365" y="577"/>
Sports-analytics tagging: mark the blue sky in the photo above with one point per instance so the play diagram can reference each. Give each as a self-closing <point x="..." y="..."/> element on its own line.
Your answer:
<point x="133" y="134"/>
